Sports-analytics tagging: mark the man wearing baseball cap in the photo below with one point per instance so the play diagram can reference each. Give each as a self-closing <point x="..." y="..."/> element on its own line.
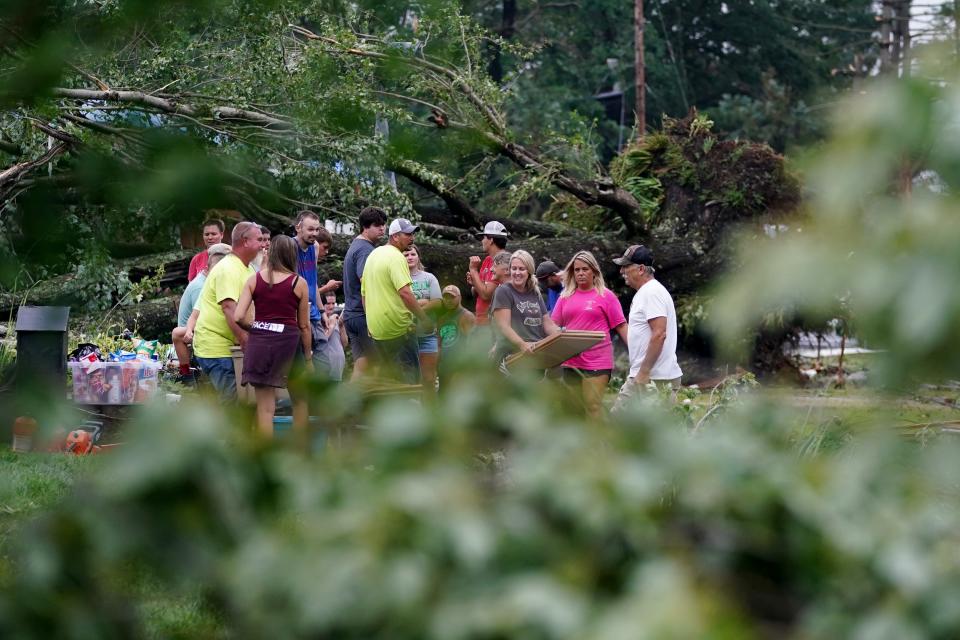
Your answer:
<point x="493" y="240"/>
<point x="391" y="306"/>
<point x="651" y="328"/>
<point x="550" y="277"/>
<point x="454" y="324"/>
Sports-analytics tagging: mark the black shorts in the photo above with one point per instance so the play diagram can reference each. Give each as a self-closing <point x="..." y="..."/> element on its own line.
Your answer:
<point x="361" y="344"/>
<point x="572" y="374"/>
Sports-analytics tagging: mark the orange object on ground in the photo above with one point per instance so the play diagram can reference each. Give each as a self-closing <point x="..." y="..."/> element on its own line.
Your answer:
<point x="79" y="442"/>
<point x="23" y="429"/>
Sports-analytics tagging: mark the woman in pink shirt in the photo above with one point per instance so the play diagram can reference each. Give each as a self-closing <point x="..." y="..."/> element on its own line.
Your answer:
<point x="587" y="305"/>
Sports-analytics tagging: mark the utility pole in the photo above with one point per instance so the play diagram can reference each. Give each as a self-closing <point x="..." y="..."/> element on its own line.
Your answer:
<point x="886" y="31"/>
<point x="640" y="75"/>
<point x="903" y="22"/>
<point x="895" y="37"/>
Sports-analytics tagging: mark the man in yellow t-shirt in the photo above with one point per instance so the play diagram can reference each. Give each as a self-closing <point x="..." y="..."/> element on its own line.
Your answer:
<point x="391" y="307"/>
<point x="216" y="330"/>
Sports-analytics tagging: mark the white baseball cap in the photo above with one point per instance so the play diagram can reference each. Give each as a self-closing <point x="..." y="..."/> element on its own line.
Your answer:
<point x="402" y="225"/>
<point x="494" y="228"/>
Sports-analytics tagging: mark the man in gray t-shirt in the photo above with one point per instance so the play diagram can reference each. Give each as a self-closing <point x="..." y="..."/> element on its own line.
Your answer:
<point x="373" y="222"/>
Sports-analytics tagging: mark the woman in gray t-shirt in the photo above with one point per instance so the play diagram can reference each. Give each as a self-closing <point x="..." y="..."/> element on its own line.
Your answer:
<point x="426" y="289"/>
<point x="519" y="313"/>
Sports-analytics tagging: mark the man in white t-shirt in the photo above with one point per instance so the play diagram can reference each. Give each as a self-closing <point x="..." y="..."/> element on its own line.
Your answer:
<point x="651" y="328"/>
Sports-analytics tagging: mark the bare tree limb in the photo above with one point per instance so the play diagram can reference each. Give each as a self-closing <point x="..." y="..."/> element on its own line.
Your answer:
<point x="14" y="172"/>
<point x="456" y="204"/>
<point x="56" y="134"/>
<point x="592" y="192"/>
<point x="493" y="118"/>
<point x="167" y="105"/>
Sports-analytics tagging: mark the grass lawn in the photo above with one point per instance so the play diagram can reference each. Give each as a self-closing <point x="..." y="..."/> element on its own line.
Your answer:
<point x="31" y="483"/>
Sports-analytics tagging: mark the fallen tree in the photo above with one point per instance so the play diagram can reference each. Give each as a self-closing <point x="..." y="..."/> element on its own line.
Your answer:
<point x="709" y="187"/>
<point x="303" y="132"/>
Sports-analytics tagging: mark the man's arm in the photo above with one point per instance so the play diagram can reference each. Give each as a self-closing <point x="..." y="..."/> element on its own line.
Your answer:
<point x="410" y="302"/>
<point x="467" y="321"/>
<point x="485" y="289"/>
<point x="191" y="325"/>
<point x="332" y="285"/>
<point x="229" y="307"/>
<point x="481" y="288"/>
<point x="658" y="335"/>
<point x="303" y="321"/>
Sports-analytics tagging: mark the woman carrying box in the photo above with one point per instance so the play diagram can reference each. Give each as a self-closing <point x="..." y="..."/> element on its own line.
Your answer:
<point x="586" y="304"/>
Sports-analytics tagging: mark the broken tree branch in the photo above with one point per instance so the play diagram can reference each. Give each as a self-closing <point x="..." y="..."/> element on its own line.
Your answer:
<point x="174" y="107"/>
<point x="14" y="172"/>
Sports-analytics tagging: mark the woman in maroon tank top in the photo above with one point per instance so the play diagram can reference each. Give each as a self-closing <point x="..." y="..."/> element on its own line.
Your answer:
<point x="281" y="324"/>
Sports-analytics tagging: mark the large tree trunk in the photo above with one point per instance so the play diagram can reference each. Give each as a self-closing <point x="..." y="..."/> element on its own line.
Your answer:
<point x="151" y="319"/>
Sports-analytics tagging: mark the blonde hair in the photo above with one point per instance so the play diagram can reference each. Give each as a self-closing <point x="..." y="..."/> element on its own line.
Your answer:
<point x="527" y="260"/>
<point x="570" y="283"/>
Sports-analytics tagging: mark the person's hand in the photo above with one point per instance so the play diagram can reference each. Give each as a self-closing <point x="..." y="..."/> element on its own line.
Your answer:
<point x="475" y="262"/>
<point x="426" y="326"/>
<point x="470" y="278"/>
<point x="642" y="379"/>
<point x="242" y="339"/>
<point x="309" y="365"/>
<point x="527" y="347"/>
<point x="332" y="285"/>
<point x="330" y="324"/>
<point x="188" y="337"/>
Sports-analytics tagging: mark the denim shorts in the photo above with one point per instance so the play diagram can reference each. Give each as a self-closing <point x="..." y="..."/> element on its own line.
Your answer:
<point x="361" y="344"/>
<point x="221" y="374"/>
<point x="428" y="344"/>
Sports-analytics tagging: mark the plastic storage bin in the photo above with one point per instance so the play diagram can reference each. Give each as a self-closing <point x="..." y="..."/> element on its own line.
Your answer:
<point x="130" y="382"/>
<point x="283" y="428"/>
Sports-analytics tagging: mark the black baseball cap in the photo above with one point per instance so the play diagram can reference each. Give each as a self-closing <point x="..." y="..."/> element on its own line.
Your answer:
<point x="635" y="254"/>
<point x="546" y="269"/>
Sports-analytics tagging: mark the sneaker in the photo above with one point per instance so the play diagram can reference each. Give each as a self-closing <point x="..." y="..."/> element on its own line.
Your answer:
<point x="187" y="380"/>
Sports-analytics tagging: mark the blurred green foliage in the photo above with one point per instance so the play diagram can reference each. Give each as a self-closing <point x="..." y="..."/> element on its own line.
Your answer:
<point x="496" y="513"/>
<point x="501" y="519"/>
<point x="878" y="243"/>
